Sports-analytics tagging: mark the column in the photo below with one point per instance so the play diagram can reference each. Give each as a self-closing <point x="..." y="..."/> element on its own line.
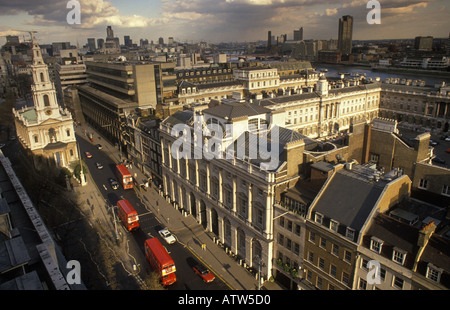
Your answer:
<point x="208" y="181"/>
<point x="249" y="203"/>
<point x="234" y="194"/>
<point x="220" y="186"/>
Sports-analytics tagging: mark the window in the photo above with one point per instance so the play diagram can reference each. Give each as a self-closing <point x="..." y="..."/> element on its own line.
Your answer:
<point x="296" y="248"/>
<point x="318" y="218"/>
<point x="335" y="249"/>
<point x="350" y="233"/>
<point x="362" y="284"/>
<point x="423" y="184"/>
<point x="347" y="256"/>
<point x="333" y="271"/>
<point x="46" y="101"/>
<point x="398" y="256"/>
<point x="345" y="278"/>
<point x="323" y="243"/>
<point x="36" y="139"/>
<point x="311" y="257"/>
<point x="364" y="263"/>
<point x="321" y="263"/>
<point x="68" y="132"/>
<point x="297" y="230"/>
<point x="446" y="190"/>
<point x="397" y="283"/>
<point x="433" y="273"/>
<point x="334" y="225"/>
<point x="375" y="245"/>
<point x="312" y="237"/>
<point x="319" y="282"/>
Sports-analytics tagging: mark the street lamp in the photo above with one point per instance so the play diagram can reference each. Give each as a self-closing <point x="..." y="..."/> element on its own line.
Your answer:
<point x="260" y="264"/>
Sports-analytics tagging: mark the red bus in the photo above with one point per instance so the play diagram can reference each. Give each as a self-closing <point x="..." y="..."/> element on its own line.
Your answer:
<point x="124" y="176"/>
<point x="160" y="261"/>
<point x="127" y="215"/>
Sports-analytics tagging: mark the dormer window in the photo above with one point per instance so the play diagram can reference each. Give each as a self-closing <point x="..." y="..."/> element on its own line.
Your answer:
<point x="433" y="273"/>
<point x="398" y="256"/>
<point x="318" y="218"/>
<point x="376" y="244"/>
<point x="334" y="225"/>
<point x="350" y="233"/>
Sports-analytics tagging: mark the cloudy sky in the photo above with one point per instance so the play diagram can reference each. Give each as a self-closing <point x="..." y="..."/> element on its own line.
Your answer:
<point x="221" y="20"/>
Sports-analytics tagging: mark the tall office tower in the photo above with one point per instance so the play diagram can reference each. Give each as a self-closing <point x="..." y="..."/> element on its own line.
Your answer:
<point x="269" y="39"/>
<point x="345" y="34"/>
<point x="109" y="33"/>
<point x="100" y="43"/>
<point x="161" y="41"/>
<point x="423" y="43"/>
<point x="298" y="34"/>
<point x="91" y="44"/>
<point x="127" y="41"/>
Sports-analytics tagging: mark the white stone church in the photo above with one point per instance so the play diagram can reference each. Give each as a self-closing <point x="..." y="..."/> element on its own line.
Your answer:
<point x="45" y="128"/>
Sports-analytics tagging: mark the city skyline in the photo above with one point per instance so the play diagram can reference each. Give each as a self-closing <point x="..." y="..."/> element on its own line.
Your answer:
<point x="217" y="21"/>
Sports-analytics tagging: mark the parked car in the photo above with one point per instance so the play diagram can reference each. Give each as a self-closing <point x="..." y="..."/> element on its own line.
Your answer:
<point x="99" y="165"/>
<point x="99" y="146"/>
<point x="167" y="236"/>
<point x="438" y="160"/>
<point x="447" y="139"/>
<point x="88" y="155"/>
<point x="433" y="143"/>
<point x="204" y="273"/>
<point x="447" y="151"/>
<point x="114" y="184"/>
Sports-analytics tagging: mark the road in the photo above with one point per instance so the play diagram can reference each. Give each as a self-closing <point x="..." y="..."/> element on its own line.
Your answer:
<point x="149" y="224"/>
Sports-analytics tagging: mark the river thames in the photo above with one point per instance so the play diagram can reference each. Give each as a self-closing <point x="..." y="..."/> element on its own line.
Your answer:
<point x="335" y="70"/>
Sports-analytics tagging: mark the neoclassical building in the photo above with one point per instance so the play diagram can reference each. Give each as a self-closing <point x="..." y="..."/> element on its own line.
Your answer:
<point x="45" y="128"/>
<point x="327" y="109"/>
<point x="232" y="196"/>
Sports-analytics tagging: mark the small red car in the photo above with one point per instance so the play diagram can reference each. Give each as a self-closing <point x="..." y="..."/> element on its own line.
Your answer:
<point x="204" y="273"/>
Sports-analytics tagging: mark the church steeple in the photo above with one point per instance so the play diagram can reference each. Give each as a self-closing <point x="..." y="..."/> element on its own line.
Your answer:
<point x="43" y="89"/>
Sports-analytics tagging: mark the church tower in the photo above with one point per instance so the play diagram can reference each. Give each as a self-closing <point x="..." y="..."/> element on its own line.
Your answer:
<point x="43" y="89"/>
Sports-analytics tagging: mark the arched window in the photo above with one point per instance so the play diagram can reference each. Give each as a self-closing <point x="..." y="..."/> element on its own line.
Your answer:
<point x="42" y="77"/>
<point x="46" y="101"/>
<point x="36" y="139"/>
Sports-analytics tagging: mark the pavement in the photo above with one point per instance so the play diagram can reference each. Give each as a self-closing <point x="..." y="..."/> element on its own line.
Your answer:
<point x="189" y="232"/>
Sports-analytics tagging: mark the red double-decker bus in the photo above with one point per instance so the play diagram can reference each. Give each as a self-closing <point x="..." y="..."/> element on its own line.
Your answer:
<point x="124" y="176"/>
<point x="160" y="261"/>
<point x="128" y="215"/>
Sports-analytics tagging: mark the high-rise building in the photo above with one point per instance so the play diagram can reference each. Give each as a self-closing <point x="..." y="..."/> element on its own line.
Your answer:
<point x="127" y="41"/>
<point x="345" y="34"/>
<point x="423" y="43"/>
<point x="109" y="32"/>
<point x="298" y="34"/>
<point x="100" y="43"/>
<point x="91" y="44"/>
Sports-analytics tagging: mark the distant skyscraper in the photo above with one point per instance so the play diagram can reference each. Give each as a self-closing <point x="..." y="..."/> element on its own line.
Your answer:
<point x="100" y="43"/>
<point x="269" y="39"/>
<point x="423" y="43"/>
<point x="109" y="33"/>
<point x="345" y="34"/>
<point x="298" y="34"/>
<point x="91" y="44"/>
<point x="127" y="41"/>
